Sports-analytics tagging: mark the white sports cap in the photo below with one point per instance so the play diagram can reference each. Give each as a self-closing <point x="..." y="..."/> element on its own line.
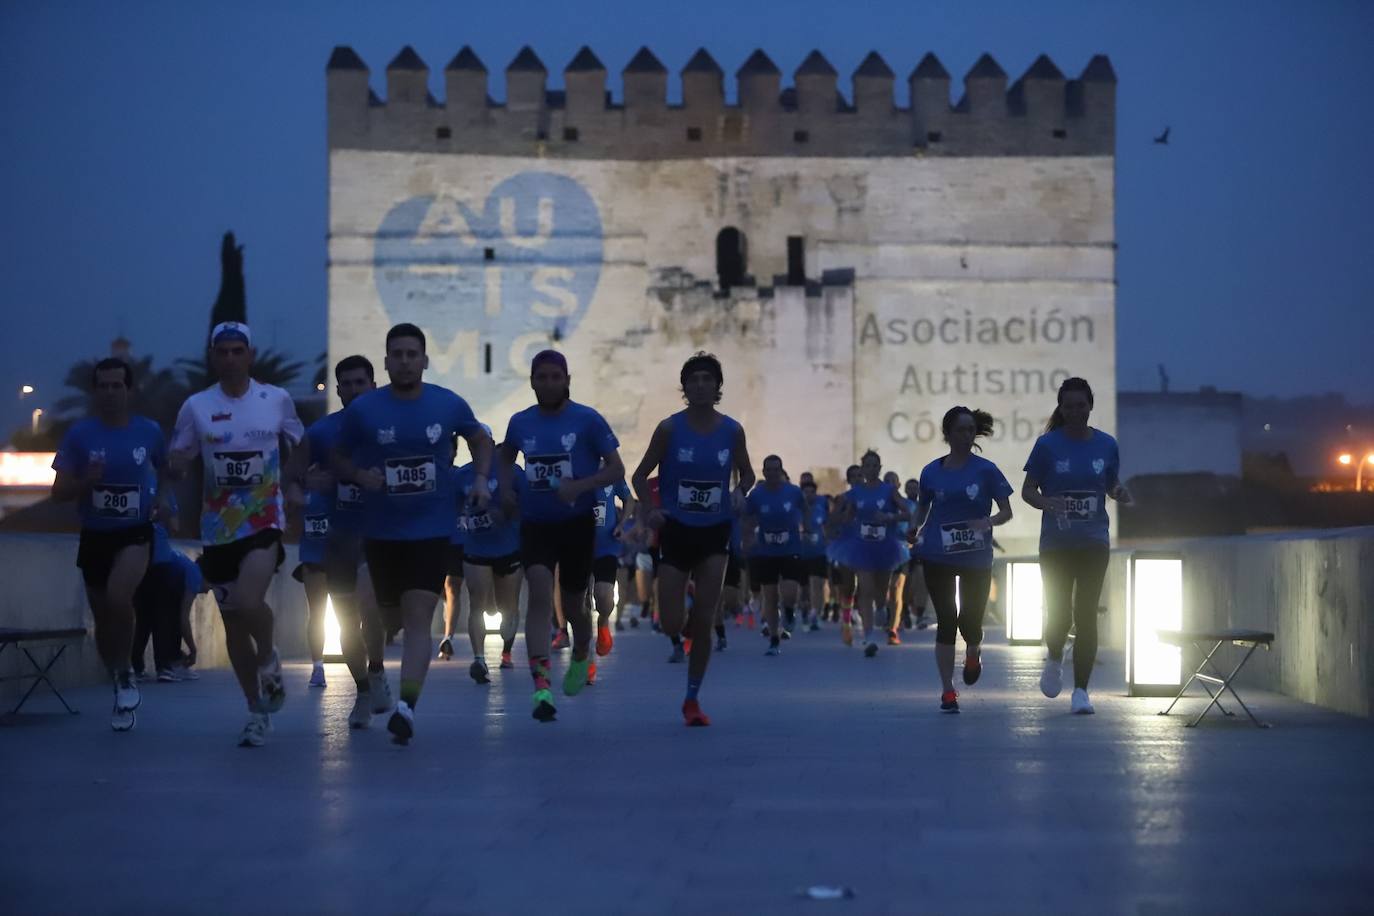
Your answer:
<point x="231" y="330"/>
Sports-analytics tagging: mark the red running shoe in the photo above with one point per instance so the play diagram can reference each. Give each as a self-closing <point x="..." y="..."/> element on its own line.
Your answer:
<point x="949" y="702"/>
<point x="604" y="641"/>
<point x="749" y="620"/>
<point x="591" y="673"/>
<point x="507" y="661"/>
<point x="973" y="667"/>
<point x="893" y="639"/>
<point x="687" y="646"/>
<point x="692" y="714"/>
<point x="560" y="640"/>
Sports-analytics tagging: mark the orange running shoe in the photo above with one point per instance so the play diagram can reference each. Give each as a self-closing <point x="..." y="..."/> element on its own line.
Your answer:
<point x="507" y="661"/>
<point x="749" y="620"/>
<point x="604" y="640"/>
<point x="591" y="673"/>
<point x="687" y="645"/>
<point x="893" y="639"/>
<point x="560" y="640"/>
<point x="692" y="714"/>
<point x="846" y="629"/>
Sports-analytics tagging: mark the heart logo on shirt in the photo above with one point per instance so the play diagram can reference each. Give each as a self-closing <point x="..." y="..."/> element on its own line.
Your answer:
<point x="1098" y="465"/>
<point x="723" y="456"/>
<point x="787" y="506"/>
<point x="569" y="441"/>
<point x="139" y="454"/>
<point x="433" y="432"/>
<point x="972" y="490"/>
<point x="882" y="503"/>
<point x="510" y="270"/>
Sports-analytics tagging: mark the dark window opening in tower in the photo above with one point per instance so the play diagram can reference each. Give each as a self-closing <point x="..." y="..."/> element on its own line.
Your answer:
<point x="732" y="257"/>
<point x="796" y="261"/>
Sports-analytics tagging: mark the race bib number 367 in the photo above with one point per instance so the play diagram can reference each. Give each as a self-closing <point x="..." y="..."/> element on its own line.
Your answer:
<point x="699" y="496"/>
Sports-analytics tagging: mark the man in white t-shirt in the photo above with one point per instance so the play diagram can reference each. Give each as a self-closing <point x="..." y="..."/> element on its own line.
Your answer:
<point x="241" y="431"/>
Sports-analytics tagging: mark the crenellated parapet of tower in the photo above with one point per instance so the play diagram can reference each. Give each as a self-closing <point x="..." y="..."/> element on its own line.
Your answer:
<point x="1041" y="114"/>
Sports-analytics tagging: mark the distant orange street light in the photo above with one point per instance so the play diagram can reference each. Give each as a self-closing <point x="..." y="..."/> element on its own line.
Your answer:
<point x="1346" y="459"/>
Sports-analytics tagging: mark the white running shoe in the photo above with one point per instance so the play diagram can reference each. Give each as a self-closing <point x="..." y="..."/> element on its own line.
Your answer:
<point x="255" y="732"/>
<point x="126" y="695"/>
<point x="317" y="675"/>
<point x="361" y="716"/>
<point x="1052" y="678"/>
<point x="402" y="723"/>
<point x="1080" y="705"/>
<point x="380" y="691"/>
<point x="273" y="690"/>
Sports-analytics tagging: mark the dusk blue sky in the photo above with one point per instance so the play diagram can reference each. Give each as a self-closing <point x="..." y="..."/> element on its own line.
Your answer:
<point x="137" y="133"/>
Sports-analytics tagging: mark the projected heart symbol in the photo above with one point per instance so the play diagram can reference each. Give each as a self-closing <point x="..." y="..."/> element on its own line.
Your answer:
<point x="516" y="275"/>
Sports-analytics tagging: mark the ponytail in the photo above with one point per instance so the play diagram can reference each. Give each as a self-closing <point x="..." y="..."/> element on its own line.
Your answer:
<point x="1069" y="384"/>
<point x="982" y="423"/>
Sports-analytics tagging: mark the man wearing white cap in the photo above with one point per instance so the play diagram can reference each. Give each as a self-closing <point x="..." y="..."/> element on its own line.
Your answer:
<point x="242" y="430"/>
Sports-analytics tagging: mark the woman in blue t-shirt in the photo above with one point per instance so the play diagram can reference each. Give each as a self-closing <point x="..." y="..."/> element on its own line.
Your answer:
<point x="869" y="512"/>
<point x="1071" y="471"/>
<point x="954" y="541"/>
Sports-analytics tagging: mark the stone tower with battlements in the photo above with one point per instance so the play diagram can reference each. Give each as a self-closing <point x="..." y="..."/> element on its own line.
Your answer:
<point x="859" y="266"/>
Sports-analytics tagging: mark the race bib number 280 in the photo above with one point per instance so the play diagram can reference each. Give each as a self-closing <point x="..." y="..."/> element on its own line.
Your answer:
<point x="115" y="500"/>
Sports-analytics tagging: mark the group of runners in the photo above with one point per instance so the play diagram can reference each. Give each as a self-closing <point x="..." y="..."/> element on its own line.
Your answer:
<point x="391" y="526"/>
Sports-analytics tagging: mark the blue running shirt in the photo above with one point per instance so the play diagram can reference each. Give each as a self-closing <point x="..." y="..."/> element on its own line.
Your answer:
<point x="132" y="455"/>
<point x="695" y="473"/>
<point x="1083" y="472"/>
<point x="412" y="443"/>
<point x="567" y="445"/>
<point x="956" y="497"/>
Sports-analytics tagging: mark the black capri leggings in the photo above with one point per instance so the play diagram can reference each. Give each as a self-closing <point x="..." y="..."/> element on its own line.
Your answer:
<point x="967" y="618"/>
<point x="1073" y="584"/>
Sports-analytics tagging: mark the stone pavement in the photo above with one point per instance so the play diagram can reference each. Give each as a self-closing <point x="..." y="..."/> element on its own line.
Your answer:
<point x="822" y="768"/>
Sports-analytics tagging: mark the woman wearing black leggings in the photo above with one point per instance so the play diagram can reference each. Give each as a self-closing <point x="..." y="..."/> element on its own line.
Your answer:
<point x="954" y="542"/>
<point x="1071" y="471"/>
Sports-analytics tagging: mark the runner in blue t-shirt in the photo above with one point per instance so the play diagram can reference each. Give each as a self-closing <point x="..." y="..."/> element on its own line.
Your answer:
<point x="398" y="444"/>
<point x="610" y="527"/>
<point x="109" y="465"/>
<point x="954" y="540"/>
<point x="570" y="453"/>
<point x="775" y="509"/>
<point x="843" y="579"/>
<point x="914" y="594"/>
<point x="493" y="575"/>
<point x="332" y="551"/>
<point x="1071" y="472"/>
<point x="896" y="582"/>
<point x="869" y="511"/>
<point x="813" y="552"/>
<point x="698" y="452"/>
